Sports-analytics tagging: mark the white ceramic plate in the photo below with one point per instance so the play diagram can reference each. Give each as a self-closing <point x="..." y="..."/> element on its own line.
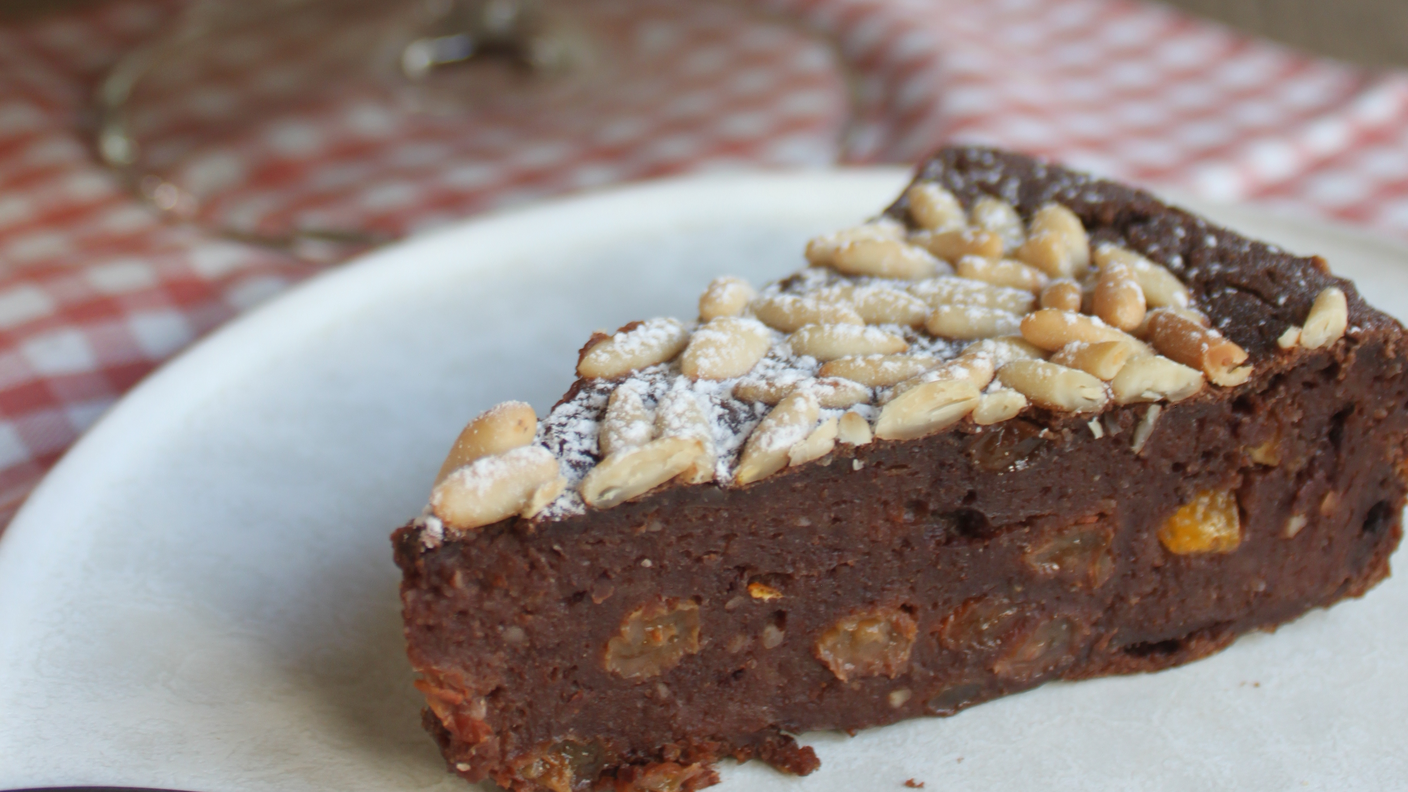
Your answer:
<point x="201" y="595"/>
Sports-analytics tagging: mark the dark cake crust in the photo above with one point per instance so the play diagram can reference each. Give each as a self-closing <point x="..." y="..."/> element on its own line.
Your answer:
<point x="989" y="559"/>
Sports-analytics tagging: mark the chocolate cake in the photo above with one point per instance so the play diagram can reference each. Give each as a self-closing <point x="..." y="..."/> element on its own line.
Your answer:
<point x="1025" y="425"/>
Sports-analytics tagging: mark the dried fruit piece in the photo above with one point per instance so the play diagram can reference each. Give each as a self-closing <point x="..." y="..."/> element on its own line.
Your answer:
<point x="1045" y="649"/>
<point x="492" y="488"/>
<point x="635" y="347"/>
<point x="980" y="624"/>
<point x="868" y="644"/>
<point x="726" y="347"/>
<point x="562" y="766"/>
<point x="631" y="473"/>
<point x="653" y="639"/>
<point x="500" y="428"/>
<point x="1329" y="316"/>
<point x="1210" y="523"/>
<point x="933" y="208"/>
<point x="1078" y="553"/>
<point x="726" y="296"/>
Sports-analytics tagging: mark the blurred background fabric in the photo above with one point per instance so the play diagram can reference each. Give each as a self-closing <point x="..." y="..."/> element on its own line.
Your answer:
<point x="96" y="290"/>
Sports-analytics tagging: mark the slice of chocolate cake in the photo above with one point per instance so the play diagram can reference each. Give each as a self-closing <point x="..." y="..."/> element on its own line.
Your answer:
<point x="1026" y="425"/>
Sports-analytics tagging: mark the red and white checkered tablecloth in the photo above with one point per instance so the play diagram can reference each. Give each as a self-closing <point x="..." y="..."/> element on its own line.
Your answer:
<point x="95" y="291"/>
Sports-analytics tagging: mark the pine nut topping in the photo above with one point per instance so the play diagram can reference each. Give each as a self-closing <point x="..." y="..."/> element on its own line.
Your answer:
<point x="884" y="305"/>
<point x="996" y="216"/>
<point x="634" y="472"/>
<point x="1290" y="339"/>
<point x="1118" y="298"/>
<point x="821" y="251"/>
<point x="886" y="258"/>
<point x="726" y="296"/>
<point x="997" y="406"/>
<point x="1054" y="386"/>
<point x="1050" y="329"/>
<point x="1002" y="272"/>
<point x="500" y="428"/>
<point x="788" y="424"/>
<point x="933" y="208"/>
<point x="965" y="291"/>
<point x="1328" y="319"/>
<point x="879" y="371"/>
<point x="833" y="393"/>
<point x="853" y="429"/>
<point x="926" y="408"/>
<point x="1202" y="348"/>
<point x="817" y="445"/>
<point x="1104" y="359"/>
<point x="970" y="322"/>
<point x="626" y="424"/>
<point x="1162" y="289"/>
<point x="726" y="347"/>
<point x="1056" y="243"/>
<point x="1062" y="295"/>
<point x="955" y="244"/>
<point x="1153" y="379"/>
<point x="633" y="348"/>
<point x="787" y="312"/>
<point x="679" y="414"/>
<point x="831" y="341"/>
<point x="492" y="488"/>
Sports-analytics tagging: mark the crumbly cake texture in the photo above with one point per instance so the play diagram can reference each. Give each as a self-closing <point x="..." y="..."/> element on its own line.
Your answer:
<point x="1025" y="425"/>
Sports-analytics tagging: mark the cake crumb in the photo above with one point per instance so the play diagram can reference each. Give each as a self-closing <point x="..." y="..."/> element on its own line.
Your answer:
<point x="912" y="784"/>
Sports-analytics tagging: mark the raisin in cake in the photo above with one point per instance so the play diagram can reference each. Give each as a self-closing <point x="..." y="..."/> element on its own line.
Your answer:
<point x="1026" y="425"/>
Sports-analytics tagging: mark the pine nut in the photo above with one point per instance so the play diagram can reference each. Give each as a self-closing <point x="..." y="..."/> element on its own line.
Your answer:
<point x="635" y="347"/>
<point x="1062" y="295"/>
<point x="996" y="216"/>
<point x="1290" y="339"/>
<point x="1054" y="386"/>
<point x="500" y="428"/>
<point x="726" y="347"/>
<point x="492" y="488"/>
<point x="626" y="423"/>
<point x="833" y="393"/>
<point x="883" y="305"/>
<point x="679" y="414"/>
<point x="886" y="258"/>
<point x="970" y="322"/>
<point x="1050" y="330"/>
<point x="955" y="244"/>
<point x="1002" y="272"/>
<point x="817" y="445"/>
<point x="853" y="429"/>
<point x="933" y="208"/>
<point x="1153" y="379"/>
<point x="1328" y="319"/>
<point x="788" y="424"/>
<point x="998" y="406"/>
<point x="1056" y="242"/>
<point x="632" y="473"/>
<point x="831" y="341"/>
<point x="879" y="371"/>
<point x="787" y="312"/>
<point x="821" y="251"/>
<point x="1104" y="359"/>
<point x="926" y="408"/>
<point x="965" y="291"/>
<point x="1202" y="348"/>
<point x="726" y="296"/>
<point x="1162" y="289"/>
<point x="1118" y="298"/>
